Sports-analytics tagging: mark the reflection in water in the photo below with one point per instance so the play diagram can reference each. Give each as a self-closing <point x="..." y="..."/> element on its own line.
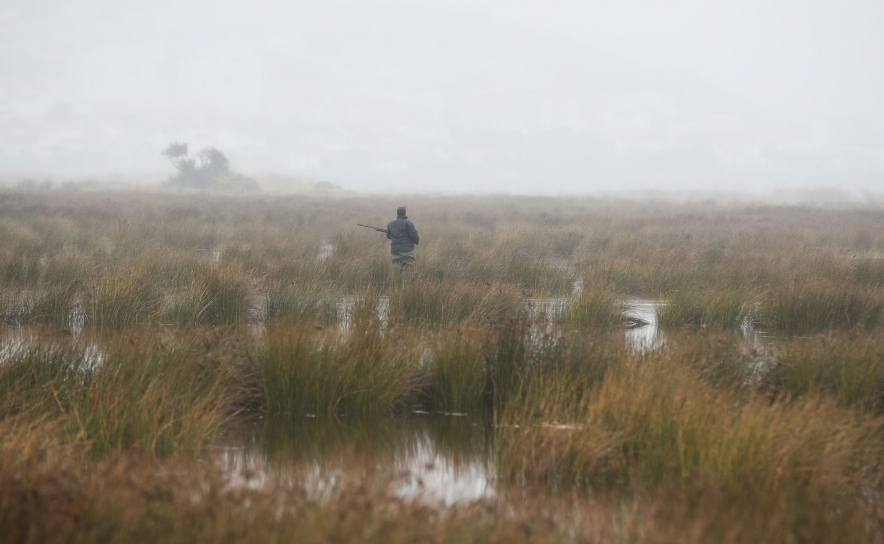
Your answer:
<point x="351" y="307"/>
<point x="432" y="457"/>
<point x="646" y="335"/>
<point x="763" y="348"/>
<point x="326" y="250"/>
<point x="642" y="332"/>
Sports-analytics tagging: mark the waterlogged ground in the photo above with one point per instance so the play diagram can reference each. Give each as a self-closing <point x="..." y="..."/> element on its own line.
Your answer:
<point x="439" y="458"/>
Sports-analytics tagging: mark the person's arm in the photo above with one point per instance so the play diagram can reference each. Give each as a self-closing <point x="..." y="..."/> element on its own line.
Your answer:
<point x="388" y="230"/>
<point x="412" y="233"/>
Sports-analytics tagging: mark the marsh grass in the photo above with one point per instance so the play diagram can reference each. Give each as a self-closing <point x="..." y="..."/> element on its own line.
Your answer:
<point x="291" y="302"/>
<point x="847" y="367"/>
<point x="41" y="306"/>
<point x="720" y="308"/>
<point x="304" y="370"/>
<point x="657" y="423"/>
<point x="802" y="307"/>
<point x="427" y="303"/>
<point x="124" y="298"/>
<point x="595" y="307"/>
<point x="133" y="393"/>
<point x="458" y="373"/>
<point x="703" y="439"/>
<point x="52" y="493"/>
<point x="207" y="258"/>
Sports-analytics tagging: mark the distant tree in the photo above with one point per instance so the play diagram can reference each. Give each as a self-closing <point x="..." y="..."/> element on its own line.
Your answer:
<point x="209" y="171"/>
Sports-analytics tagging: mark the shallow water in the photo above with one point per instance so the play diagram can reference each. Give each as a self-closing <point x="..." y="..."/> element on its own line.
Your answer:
<point x="433" y="457"/>
<point x="646" y="334"/>
<point x="347" y="307"/>
<point x="326" y="250"/>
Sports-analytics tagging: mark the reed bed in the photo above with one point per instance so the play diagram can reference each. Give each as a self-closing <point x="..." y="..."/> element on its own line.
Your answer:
<point x="847" y="367"/>
<point x="804" y="307"/>
<point x="50" y="493"/>
<point x="133" y="393"/>
<point x="459" y="381"/>
<point x="137" y="326"/>
<point x="720" y="309"/>
<point x="307" y="371"/>
<point x="206" y="259"/>
<point x="439" y="304"/>
<point x="595" y="307"/>
<point x="658" y="423"/>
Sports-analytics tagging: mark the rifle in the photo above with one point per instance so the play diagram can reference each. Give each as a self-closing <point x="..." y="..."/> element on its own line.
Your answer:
<point x="370" y="227"/>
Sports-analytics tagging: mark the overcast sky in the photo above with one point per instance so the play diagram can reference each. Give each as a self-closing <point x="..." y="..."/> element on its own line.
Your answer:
<point x="551" y="96"/>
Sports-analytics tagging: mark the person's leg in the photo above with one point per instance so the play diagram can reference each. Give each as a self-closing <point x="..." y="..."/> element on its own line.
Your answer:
<point x="408" y="261"/>
<point x="403" y="263"/>
<point x="397" y="263"/>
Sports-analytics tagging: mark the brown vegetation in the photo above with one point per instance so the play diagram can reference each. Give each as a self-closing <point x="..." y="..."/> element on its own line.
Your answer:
<point x="136" y="327"/>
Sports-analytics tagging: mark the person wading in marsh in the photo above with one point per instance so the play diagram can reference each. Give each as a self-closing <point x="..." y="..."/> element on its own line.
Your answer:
<point x="403" y="237"/>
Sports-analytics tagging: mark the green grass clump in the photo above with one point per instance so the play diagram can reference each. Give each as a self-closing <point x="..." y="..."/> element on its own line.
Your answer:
<point x="719" y="308"/>
<point x="595" y="307"/>
<point x="303" y="370"/>
<point x="458" y="372"/>
<point x="122" y="299"/>
<point x="429" y="303"/>
<point x="848" y="367"/>
<point x="214" y="295"/>
<point x="292" y="302"/>
<point x="657" y="423"/>
<point x="133" y="393"/>
<point x="802" y="307"/>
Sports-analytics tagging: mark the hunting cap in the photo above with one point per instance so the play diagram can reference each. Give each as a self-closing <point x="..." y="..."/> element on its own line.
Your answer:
<point x="400" y="210"/>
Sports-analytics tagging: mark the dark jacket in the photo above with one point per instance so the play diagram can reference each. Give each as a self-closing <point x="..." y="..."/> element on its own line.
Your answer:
<point x="402" y="234"/>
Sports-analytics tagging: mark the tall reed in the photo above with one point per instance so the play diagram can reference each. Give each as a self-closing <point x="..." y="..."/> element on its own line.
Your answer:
<point x="427" y="303"/>
<point x="361" y="372"/>
<point x="848" y="367"/>
<point x="658" y="422"/>
<point x="719" y="308"/>
<point x="457" y="371"/>
<point x="595" y="307"/>
<point x="131" y="392"/>
<point x="803" y="306"/>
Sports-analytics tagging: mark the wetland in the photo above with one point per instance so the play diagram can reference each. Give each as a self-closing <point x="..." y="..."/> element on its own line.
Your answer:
<point x="203" y="368"/>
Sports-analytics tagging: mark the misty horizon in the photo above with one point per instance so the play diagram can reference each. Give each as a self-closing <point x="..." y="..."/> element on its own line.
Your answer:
<point x="427" y="96"/>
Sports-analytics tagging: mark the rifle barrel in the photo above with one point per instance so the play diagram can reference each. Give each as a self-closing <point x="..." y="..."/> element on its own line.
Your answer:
<point x="370" y="227"/>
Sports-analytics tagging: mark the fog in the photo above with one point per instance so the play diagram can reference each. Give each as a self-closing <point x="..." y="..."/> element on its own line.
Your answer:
<point x="524" y="96"/>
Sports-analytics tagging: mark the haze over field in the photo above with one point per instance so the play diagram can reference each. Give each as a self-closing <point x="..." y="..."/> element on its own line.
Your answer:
<point x="482" y="95"/>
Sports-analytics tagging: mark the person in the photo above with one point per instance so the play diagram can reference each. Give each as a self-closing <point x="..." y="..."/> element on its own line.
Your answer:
<point x="403" y="237"/>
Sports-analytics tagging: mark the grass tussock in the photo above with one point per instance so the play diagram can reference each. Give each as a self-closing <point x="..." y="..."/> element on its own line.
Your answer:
<point x="803" y="307"/>
<point x="657" y="423"/>
<point x="595" y="307"/>
<point x="429" y="303"/>
<point x="292" y="302"/>
<point x="367" y="371"/>
<point x="847" y="367"/>
<point x="718" y="309"/>
<point x="135" y="393"/>
<point x="122" y="298"/>
<point x="459" y="374"/>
